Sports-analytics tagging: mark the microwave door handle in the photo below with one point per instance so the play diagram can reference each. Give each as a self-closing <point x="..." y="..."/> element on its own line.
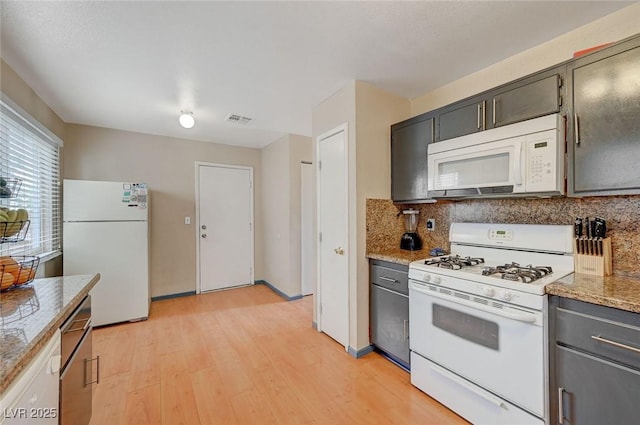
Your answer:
<point x="517" y="164"/>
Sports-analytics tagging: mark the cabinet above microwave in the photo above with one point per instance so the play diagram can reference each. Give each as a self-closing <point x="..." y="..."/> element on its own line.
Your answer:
<point x="530" y="97"/>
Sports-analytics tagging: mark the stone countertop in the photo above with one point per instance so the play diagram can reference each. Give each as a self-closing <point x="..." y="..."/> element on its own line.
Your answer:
<point x="29" y="316"/>
<point x="399" y="256"/>
<point x="619" y="292"/>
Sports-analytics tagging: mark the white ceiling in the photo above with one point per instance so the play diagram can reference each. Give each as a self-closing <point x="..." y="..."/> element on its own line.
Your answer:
<point x="135" y="65"/>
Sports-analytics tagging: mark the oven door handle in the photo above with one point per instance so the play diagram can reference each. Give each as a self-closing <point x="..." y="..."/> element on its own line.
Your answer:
<point x="519" y="316"/>
<point x="450" y="376"/>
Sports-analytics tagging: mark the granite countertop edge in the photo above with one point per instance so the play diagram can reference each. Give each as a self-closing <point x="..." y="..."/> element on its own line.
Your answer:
<point x="620" y="292"/>
<point x="398" y="256"/>
<point x="32" y="349"/>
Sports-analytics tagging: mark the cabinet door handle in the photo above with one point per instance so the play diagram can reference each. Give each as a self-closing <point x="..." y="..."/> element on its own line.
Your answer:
<point x="560" y="406"/>
<point x="484" y="115"/>
<point x="576" y="126"/>
<point x="388" y="279"/>
<point x="615" y="344"/>
<point x="494" y="111"/>
<point x="478" y="122"/>
<point x="405" y="329"/>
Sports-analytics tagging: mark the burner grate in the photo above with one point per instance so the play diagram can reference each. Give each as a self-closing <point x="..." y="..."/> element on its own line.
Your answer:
<point x="454" y="262"/>
<point x="516" y="272"/>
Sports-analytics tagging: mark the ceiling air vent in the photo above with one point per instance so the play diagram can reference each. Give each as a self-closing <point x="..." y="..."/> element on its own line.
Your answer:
<point x="238" y="119"/>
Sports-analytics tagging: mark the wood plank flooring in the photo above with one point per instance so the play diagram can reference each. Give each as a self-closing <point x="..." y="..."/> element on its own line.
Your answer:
<point x="246" y="356"/>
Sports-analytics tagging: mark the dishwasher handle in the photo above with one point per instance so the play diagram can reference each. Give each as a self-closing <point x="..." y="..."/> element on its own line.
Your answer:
<point x="88" y="362"/>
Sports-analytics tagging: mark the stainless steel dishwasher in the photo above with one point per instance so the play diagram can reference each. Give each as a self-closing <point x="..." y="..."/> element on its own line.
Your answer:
<point x="76" y="375"/>
<point x="389" y="325"/>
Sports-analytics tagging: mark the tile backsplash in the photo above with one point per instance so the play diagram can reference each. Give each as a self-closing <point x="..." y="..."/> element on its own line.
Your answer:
<point x="385" y="226"/>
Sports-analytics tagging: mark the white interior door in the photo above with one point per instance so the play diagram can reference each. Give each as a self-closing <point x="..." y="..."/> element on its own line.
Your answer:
<point x="306" y="229"/>
<point x="333" y="253"/>
<point x="225" y="226"/>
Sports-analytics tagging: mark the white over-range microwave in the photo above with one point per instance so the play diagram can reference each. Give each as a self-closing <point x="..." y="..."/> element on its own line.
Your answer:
<point x="521" y="159"/>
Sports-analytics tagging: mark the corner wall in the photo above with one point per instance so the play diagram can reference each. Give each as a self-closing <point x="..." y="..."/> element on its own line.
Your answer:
<point x="369" y="113"/>
<point x="376" y="110"/>
<point x="19" y="91"/>
<point x="281" y="211"/>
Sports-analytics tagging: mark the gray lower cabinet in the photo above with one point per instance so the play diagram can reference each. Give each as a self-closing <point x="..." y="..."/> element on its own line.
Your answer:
<point x="409" y="140"/>
<point x="594" y="364"/>
<point x="389" y="310"/>
<point x="605" y="124"/>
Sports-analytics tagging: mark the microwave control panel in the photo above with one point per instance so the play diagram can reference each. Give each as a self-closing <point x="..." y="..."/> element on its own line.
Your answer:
<point x="541" y="164"/>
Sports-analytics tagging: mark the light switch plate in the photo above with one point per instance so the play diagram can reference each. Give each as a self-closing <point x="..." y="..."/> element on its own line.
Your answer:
<point x="187" y="220"/>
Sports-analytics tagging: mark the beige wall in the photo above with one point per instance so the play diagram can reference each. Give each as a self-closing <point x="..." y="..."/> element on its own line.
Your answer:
<point x="275" y="214"/>
<point x="369" y="112"/>
<point x="300" y="149"/>
<point x="13" y="86"/>
<point x="168" y="166"/>
<point x="614" y="27"/>
<point x="17" y="90"/>
<point x="281" y="211"/>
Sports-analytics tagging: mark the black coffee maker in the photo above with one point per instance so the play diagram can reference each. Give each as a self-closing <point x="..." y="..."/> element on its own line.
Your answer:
<point x="410" y="239"/>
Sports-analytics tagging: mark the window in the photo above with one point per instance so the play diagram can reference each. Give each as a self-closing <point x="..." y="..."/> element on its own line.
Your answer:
<point x="30" y="152"/>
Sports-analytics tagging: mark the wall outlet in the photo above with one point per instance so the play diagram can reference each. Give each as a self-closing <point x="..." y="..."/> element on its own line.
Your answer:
<point x="431" y="224"/>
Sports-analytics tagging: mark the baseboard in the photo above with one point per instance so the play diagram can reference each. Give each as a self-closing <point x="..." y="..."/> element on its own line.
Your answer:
<point x="169" y="296"/>
<point x="361" y="352"/>
<point x="277" y="291"/>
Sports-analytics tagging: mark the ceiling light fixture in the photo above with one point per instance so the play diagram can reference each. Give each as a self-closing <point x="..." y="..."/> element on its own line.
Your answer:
<point x="186" y="119"/>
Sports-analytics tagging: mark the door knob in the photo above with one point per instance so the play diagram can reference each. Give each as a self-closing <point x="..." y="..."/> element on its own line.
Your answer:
<point x="204" y="235"/>
<point x="339" y="251"/>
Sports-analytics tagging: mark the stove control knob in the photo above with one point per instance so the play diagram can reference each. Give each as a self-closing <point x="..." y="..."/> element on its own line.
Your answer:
<point x="505" y="295"/>
<point x="488" y="291"/>
<point x="426" y="277"/>
<point x="437" y="280"/>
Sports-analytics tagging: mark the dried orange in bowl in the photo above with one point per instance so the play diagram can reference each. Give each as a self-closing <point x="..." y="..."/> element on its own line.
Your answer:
<point x="6" y="280"/>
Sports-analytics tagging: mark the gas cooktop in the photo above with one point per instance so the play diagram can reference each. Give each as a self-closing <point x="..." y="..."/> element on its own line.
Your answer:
<point x="511" y="271"/>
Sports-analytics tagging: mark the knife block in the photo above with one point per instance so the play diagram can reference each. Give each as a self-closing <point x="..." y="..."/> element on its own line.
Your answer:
<point x="599" y="265"/>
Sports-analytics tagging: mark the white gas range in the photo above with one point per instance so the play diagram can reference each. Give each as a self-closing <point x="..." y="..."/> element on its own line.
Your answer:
<point x="478" y="322"/>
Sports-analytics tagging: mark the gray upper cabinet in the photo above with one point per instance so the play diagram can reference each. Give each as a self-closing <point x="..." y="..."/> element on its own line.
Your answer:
<point x="605" y="124"/>
<point x="525" y="100"/>
<point x="409" y="140"/>
<point x="529" y="97"/>
<point x="462" y="118"/>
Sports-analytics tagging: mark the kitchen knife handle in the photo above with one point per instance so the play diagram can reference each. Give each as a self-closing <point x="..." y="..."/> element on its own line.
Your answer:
<point x="576" y="125"/>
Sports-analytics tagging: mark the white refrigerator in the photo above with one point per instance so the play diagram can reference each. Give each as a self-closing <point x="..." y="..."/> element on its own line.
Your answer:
<point x="106" y="231"/>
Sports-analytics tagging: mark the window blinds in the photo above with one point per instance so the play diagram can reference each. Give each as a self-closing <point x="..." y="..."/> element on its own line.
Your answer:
<point x="31" y="153"/>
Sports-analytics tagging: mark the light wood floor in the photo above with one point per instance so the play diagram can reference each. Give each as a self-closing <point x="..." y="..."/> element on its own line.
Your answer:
<point x="246" y="356"/>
